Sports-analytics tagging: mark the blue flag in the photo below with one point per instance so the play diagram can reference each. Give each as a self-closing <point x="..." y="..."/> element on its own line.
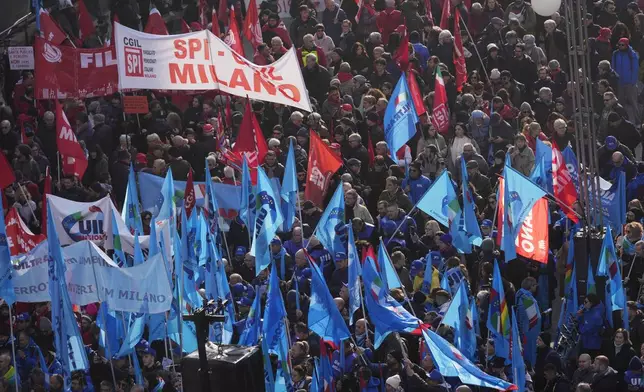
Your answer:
<point x="223" y="290"/>
<point x="388" y="273"/>
<point x="248" y="199"/>
<point x="528" y="317"/>
<point x="67" y="338"/>
<point x="385" y="312"/>
<point x="133" y="335"/>
<point x="324" y="317"/>
<point x="440" y="201"/>
<point x="138" y="374"/>
<point x="498" y="321"/>
<point x="118" y="256"/>
<point x="452" y="363"/>
<point x="110" y="330"/>
<point x="457" y="317"/>
<point x="520" y="195"/>
<point x="518" y="365"/>
<point x="138" y="253"/>
<point x="571" y="164"/>
<point x="268" y="220"/>
<point x="472" y="229"/>
<point x="211" y="207"/>
<point x="400" y="117"/>
<point x="543" y="156"/>
<point x="274" y="314"/>
<point x="289" y="189"/>
<point x="355" y="291"/>
<point x="609" y="267"/>
<point x="269" y="381"/>
<point x="332" y="218"/>
<point x="6" y="269"/>
<point x="131" y="212"/>
<point x="250" y="335"/>
<point x="166" y="203"/>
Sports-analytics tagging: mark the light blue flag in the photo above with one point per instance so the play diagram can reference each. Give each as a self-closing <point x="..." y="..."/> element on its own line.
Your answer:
<point x="138" y="374"/>
<point x="131" y="212"/>
<point x="67" y="338"/>
<point x="315" y="380"/>
<point x="289" y="188"/>
<point x="166" y="202"/>
<point x="199" y="244"/>
<point x="543" y="155"/>
<point x="385" y="312"/>
<point x="520" y="195"/>
<point x="138" y="253"/>
<point x="518" y="365"/>
<point x="529" y="323"/>
<point x="248" y="198"/>
<point x="388" y="273"/>
<point x="268" y="219"/>
<point x="269" y="381"/>
<point x="211" y="281"/>
<point x="109" y="330"/>
<point x="283" y="380"/>
<point x="210" y="205"/>
<point x="457" y="318"/>
<point x="440" y="201"/>
<point x="274" y="315"/>
<point x="400" y="116"/>
<point x="498" y="321"/>
<point x="250" y="335"/>
<point x="452" y="363"/>
<point x="324" y="317"/>
<point x="572" y="165"/>
<point x="6" y="269"/>
<point x="118" y="256"/>
<point x="591" y="286"/>
<point x="355" y="290"/>
<point x="153" y="243"/>
<point x="331" y="219"/>
<point x="609" y="267"/>
<point x="472" y="229"/>
<point x="223" y="289"/>
<point x="474" y="311"/>
<point x="133" y="335"/>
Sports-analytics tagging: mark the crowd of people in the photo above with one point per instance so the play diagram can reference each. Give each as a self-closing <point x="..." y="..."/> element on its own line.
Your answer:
<point x="518" y="90"/>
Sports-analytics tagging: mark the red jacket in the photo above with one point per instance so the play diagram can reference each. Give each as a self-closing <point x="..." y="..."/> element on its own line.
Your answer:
<point x="281" y="32"/>
<point x="387" y="21"/>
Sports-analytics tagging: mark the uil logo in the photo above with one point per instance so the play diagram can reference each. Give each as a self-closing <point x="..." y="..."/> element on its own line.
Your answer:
<point x="268" y="206"/>
<point x="85" y="225"/>
<point x="337" y="213"/>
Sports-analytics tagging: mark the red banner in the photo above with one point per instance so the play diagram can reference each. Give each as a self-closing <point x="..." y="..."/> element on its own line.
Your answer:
<point x="323" y="163"/>
<point x="66" y="72"/>
<point x="532" y="241"/>
<point x="21" y="239"/>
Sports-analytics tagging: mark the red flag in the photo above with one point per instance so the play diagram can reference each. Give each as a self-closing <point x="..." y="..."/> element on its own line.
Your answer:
<point x="21" y="240"/>
<point x="402" y="53"/>
<point x="156" y="24"/>
<point x="6" y="172"/>
<point x="564" y="188"/>
<point x="232" y="37"/>
<point x="428" y="11"/>
<point x="252" y="29"/>
<point x="440" y="112"/>
<point x="184" y="27"/>
<point x="250" y="141"/>
<point x="215" y="24"/>
<point x="229" y="113"/>
<point x="323" y="163"/>
<point x="372" y="153"/>
<point x="46" y="191"/>
<point x="203" y="17"/>
<point x="73" y="156"/>
<point x="447" y="12"/>
<point x="416" y="95"/>
<point x="23" y="134"/>
<point x="459" y="58"/>
<point x="223" y="11"/>
<point x="49" y="29"/>
<point x="189" y="195"/>
<point x="85" y="21"/>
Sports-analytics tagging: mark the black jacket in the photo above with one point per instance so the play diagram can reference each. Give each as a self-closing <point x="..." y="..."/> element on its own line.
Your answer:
<point x="605" y="381"/>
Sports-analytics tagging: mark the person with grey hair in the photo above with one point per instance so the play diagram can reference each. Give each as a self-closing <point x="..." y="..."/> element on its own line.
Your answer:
<point x="555" y="42"/>
<point x="533" y="51"/>
<point x="277" y="48"/>
<point x="323" y="41"/>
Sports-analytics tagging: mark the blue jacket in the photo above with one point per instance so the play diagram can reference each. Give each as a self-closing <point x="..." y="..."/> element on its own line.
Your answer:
<point x="627" y="65"/>
<point x="591" y="324"/>
<point x="417" y="187"/>
<point x="32" y="359"/>
<point x="423" y="54"/>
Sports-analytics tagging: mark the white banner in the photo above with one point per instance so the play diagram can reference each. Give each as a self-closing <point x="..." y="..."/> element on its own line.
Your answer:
<point x="201" y="61"/>
<point x="92" y="276"/>
<point x="21" y="57"/>
<point x="77" y="221"/>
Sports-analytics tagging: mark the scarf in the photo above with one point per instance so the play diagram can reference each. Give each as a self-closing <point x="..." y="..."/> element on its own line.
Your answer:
<point x="281" y="254"/>
<point x="361" y="339"/>
<point x="618" y="348"/>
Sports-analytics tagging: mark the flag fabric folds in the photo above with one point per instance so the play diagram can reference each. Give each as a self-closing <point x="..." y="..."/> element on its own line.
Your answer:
<point x="452" y="363"/>
<point x="268" y="218"/>
<point x="400" y="116"/>
<point x="289" y="189"/>
<point x="388" y="273"/>
<point x="355" y="269"/>
<point x="528" y="317"/>
<point x="608" y="266"/>
<point x="252" y="29"/>
<point x="251" y="333"/>
<point x="324" y="317"/>
<point x="322" y="165"/>
<point x="131" y="212"/>
<point x="274" y="314"/>
<point x="563" y="186"/>
<point x="385" y="312"/>
<point x="440" y="110"/>
<point x="331" y="220"/>
<point x="156" y="24"/>
<point x="74" y="161"/>
<point x="458" y="317"/>
<point x="232" y="37"/>
<point x="472" y="229"/>
<point x="519" y="194"/>
<point x="6" y="268"/>
<point x="518" y="365"/>
<point x="498" y="322"/>
<point x="247" y="207"/>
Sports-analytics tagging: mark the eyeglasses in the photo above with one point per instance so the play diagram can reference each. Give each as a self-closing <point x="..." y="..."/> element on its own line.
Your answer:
<point x="621" y="45"/>
<point x="607" y="100"/>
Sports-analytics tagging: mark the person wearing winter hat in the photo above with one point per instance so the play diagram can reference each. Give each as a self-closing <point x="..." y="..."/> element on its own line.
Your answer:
<point x="393" y="384"/>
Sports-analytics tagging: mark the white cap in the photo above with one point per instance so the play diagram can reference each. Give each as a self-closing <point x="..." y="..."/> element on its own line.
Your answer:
<point x="394" y="381"/>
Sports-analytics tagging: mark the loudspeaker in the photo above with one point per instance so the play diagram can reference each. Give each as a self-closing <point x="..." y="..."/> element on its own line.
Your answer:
<point x="239" y="369"/>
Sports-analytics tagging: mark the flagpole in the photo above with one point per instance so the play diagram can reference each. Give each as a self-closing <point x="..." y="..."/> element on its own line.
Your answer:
<point x="487" y="75"/>
<point x="13" y="347"/>
<point x="30" y="207"/>
<point x="109" y="349"/>
<point x="58" y="160"/>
